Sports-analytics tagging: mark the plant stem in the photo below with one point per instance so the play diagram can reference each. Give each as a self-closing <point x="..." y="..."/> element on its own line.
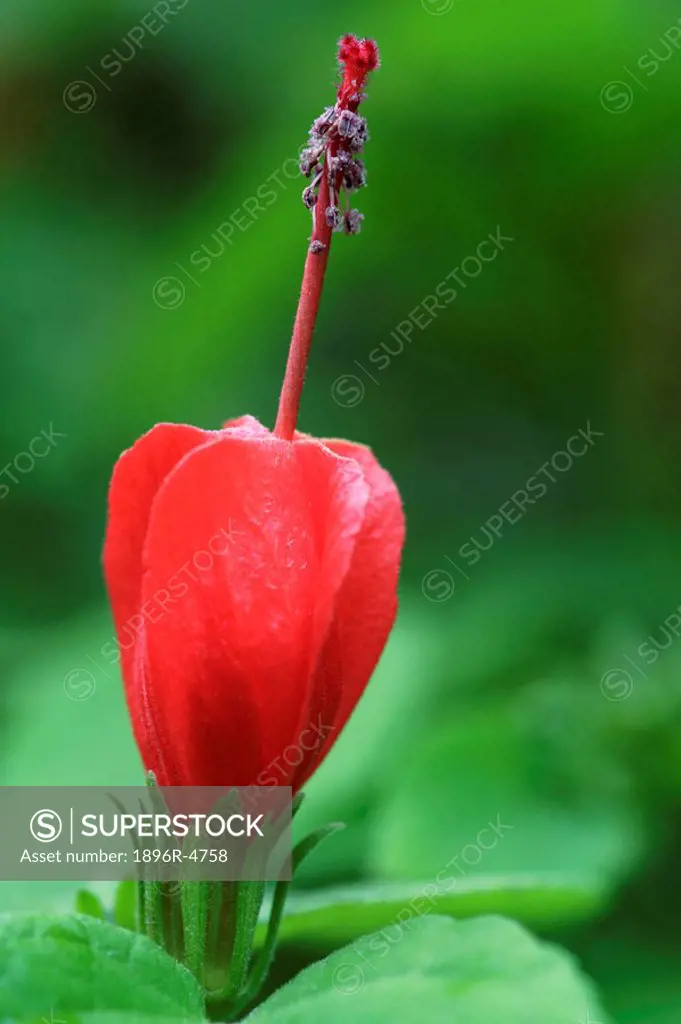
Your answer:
<point x="306" y="317"/>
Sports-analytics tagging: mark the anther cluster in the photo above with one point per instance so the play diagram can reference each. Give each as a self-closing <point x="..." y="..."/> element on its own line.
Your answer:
<point x="336" y="142"/>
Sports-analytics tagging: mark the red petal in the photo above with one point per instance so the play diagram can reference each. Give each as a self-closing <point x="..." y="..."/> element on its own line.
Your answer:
<point x="137" y="476"/>
<point x="248" y="544"/>
<point x="366" y="605"/>
<point x="247" y="426"/>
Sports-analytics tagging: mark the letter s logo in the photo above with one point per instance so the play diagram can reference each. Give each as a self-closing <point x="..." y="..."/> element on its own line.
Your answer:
<point x="46" y="826"/>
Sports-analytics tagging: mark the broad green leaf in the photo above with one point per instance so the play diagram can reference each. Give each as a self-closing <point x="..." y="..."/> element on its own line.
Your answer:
<point x="437" y="971"/>
<point x="331" y="917"/>
<point x="483" y="796"/>
<point x="73" y="965"/>
<point x="113" y="1018"/>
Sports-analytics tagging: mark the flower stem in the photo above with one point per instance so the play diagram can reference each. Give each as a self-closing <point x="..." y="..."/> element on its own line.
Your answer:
<point x="306" y="317"/>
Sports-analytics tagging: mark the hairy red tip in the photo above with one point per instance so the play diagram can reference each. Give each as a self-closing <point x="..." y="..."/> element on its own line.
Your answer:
<point x="357" y="58"/>
<point x="362" y="52"/>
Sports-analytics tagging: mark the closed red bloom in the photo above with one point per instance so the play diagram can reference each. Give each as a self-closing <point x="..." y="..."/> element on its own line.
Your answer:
<point x="253" y="582"/>
<point x="253" y="574"/>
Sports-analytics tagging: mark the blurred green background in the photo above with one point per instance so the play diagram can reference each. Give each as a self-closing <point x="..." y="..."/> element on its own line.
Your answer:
<point x="538" y="685"/>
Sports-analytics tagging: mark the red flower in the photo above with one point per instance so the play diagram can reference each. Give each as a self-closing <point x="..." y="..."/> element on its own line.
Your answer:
<point x="242" y="666"/>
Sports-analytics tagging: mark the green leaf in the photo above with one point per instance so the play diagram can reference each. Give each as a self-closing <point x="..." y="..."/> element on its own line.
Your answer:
<point x="90" y="904"/>
<point x="79" y="964"/>
<point x="125" y="904"/>
<point x="480" y="797"/>
<point x="118" y="1018"/>
<point x="334" y="916"/>
<point x="436" y="971"/>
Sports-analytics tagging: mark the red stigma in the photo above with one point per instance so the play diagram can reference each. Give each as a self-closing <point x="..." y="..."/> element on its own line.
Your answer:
<point x="357" y="58"/>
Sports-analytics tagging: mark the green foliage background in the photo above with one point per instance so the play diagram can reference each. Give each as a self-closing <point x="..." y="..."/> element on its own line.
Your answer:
<point x="501" y="700"/>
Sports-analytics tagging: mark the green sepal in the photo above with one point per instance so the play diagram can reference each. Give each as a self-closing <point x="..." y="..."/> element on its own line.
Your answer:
<point x="265" y="957"/>
<point x="210" y="927"/>
<point x="194" y="897"/>
<point x="249" y="899"/>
